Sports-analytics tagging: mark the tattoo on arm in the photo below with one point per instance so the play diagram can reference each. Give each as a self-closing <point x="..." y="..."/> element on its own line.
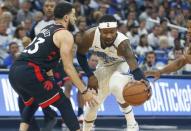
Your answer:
<point x="125" y="50"/>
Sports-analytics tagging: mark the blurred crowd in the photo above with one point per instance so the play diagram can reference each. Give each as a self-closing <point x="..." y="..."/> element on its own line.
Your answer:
<point x="156" y="28"/>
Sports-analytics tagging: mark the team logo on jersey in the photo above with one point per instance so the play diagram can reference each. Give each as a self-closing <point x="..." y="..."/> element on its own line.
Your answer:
<point x="106" y="58"/>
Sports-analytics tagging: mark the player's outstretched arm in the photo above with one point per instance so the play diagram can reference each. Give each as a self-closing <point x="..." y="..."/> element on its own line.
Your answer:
<point x="64" y="40"/>
<point x="172" y="67"/>
<point x="124" y="49"/>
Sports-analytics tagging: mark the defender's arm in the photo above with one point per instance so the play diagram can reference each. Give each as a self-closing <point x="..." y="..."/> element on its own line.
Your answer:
<point x="65" y="41"/>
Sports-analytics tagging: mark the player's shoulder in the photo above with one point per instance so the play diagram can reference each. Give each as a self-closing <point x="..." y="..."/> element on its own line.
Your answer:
<point x="62" y="36"/>
<point x="63" y="33"/>
<point x="121" y="38"/>
<point x="119" y="35"/>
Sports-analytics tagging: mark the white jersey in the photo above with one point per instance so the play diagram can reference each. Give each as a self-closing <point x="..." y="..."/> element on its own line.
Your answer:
<point x="41" y="25"/>
<point x="107" y="56"/>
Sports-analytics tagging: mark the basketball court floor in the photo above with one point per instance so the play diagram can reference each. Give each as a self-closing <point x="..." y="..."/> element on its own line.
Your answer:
<point x="142" y="128"/>
<point x="107" y="124"/>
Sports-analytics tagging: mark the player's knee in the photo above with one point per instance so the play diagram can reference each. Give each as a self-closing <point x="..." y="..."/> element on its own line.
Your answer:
<point x="126" y="110"/>
<point x="118" y="80"/>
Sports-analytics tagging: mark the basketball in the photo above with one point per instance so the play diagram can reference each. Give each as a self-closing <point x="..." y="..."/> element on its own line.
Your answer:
<point x="136" y="93"/>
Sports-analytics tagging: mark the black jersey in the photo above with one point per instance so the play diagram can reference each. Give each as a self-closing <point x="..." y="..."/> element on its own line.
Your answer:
<point x="42" y="50"/>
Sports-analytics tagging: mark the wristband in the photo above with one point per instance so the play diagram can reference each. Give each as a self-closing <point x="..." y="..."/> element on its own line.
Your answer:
<point x="138" y="74"/>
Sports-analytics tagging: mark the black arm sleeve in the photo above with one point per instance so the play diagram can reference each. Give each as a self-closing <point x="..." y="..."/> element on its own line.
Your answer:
<point x="82" y="59"/>
<point x="138" y="74"/>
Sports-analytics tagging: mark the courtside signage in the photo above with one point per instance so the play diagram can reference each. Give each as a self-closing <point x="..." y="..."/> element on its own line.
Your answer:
<point x="170" y="97"/>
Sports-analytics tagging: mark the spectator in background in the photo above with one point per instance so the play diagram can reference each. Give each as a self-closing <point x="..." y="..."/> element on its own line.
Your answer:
<point x="122" y="28"/>
<point x="177" y="53"/>
<point x="81" y="25"/>
<point x="5" y="39"/>
<point x="153" y="37"/>
<point x="24" y="12"/>
<point x="143" y="46"/>
<point x="103" y="8"/>
<point x="177" y="47"/>
<point x="153" y="16"/>
<point x="48" y="19"/>
<point x="93" y="61"/>
<point x="163" y="26"/>
<point x="38" y="16"/>
<point x="146" y="13"/>
<point x="161" y="12"/>
<point x="27" y="24"/>
<point x="77" y="6"/>
<point x="96" y="16"/>
<point x="132" y="34"/>
<point x="179" y="20"/>
<point x="86" y="10"/>
<point x="20" y="33"/>
<point x="142" y="27"/>
<point x="131" y="19"/>
<point x="171" y="16"/>
<point x="149" y="62"/>
<point x="162" y="51"/>
<point x="13" y="52"/>
<point x="172" y="35"/>
<point x="8" y="17"/>
<point x="163" y="44"/>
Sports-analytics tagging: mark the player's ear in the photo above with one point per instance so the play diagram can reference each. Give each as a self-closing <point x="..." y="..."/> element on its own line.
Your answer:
<point x="66" y="18"/>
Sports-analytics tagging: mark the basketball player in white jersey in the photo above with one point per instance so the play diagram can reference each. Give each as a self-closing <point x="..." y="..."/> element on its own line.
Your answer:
<point x="116" y="62"/>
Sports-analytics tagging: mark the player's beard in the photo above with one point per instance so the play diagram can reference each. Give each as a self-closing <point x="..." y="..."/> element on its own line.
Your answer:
<point x="71" y="27"/>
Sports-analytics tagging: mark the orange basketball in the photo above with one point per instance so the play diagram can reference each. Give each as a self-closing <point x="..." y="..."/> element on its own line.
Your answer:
<point x="136" y="93"/>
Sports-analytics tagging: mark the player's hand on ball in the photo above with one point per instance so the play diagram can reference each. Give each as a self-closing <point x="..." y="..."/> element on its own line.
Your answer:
<point x="90" y="98"/>
<point x="148" y="88"/>
<point x="155" y="74"/>
<point x="93" y="83"/>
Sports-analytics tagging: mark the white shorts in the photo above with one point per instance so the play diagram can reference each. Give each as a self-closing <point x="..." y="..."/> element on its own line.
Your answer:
<point x="112" y="79"/>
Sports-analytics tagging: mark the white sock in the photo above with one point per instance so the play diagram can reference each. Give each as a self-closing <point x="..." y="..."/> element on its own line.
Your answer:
<point x="130" y="117"/>
<point x="87" y="126"/>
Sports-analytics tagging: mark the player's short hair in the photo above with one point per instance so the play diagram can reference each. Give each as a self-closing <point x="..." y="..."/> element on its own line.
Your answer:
<point x="107" y="18"/>
<point x="62" y="9"/>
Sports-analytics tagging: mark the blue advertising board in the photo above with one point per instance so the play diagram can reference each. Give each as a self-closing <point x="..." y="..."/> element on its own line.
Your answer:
<point x="170" y="97"/>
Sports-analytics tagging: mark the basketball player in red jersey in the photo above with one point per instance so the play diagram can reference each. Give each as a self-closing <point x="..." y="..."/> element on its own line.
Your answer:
<point x="28" y="75"/>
